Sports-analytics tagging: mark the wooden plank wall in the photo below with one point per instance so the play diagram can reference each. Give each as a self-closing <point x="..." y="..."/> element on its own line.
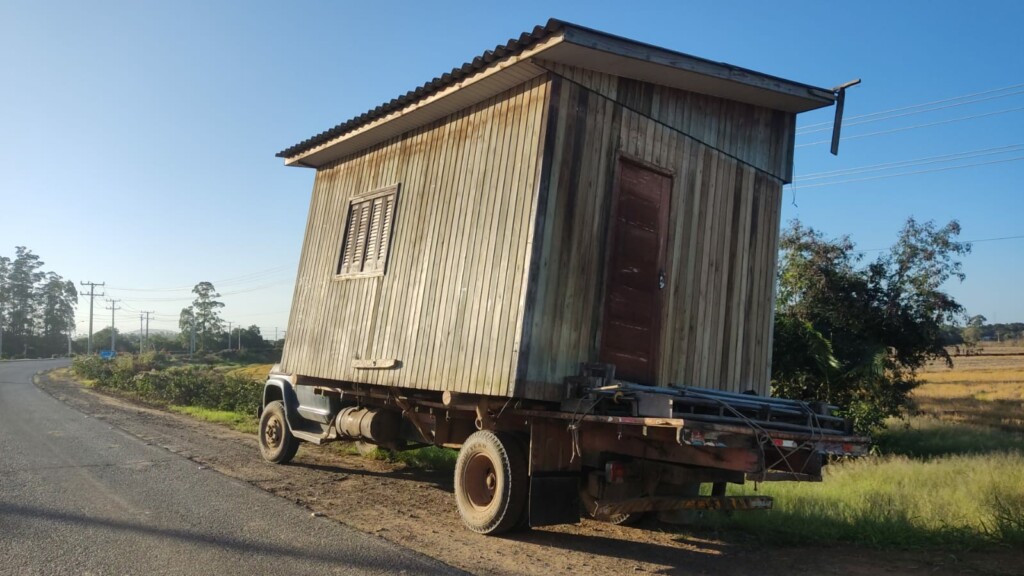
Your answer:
<point x="450" y="303"/>
<point x="724" y="225"/>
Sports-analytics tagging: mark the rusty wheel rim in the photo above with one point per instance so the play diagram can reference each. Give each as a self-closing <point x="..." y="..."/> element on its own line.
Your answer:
<point x="480" y="481"/>
<point x="273" y="432"/>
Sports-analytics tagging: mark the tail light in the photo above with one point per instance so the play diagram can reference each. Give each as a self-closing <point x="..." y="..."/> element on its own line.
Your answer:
<point x="615" y="472"/>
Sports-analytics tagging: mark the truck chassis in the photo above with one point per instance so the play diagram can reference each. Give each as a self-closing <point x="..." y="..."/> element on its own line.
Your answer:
<point x="613" y="448"/>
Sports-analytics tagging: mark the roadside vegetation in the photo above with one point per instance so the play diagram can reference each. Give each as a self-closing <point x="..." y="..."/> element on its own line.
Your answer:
<point x="227" y="394"/>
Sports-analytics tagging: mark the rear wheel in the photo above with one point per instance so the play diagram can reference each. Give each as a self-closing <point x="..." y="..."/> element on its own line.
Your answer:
<point x="277" y="444"/>
<point x="491" y="482"/>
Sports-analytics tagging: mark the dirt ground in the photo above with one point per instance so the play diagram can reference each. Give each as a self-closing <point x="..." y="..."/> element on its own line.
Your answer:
<point x="416" y="509"/>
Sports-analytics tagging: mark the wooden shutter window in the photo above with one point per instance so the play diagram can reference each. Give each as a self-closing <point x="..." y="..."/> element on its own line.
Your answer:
<point x="364" y="249"/>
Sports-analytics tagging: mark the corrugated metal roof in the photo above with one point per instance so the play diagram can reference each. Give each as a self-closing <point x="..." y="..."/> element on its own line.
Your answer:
<point x="513" y="47"/>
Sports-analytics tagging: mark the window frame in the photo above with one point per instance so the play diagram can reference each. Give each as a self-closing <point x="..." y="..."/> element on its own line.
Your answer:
<point x="388" y="235"/>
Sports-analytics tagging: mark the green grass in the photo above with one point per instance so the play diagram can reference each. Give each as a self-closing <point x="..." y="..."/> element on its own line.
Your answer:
<point x="926" y="437"/>
<point x="427" y="457"/>
<point x="936" y="484"/>
<point x="951" y="477"/>
<point x="242" y="422"/>
<point x="958" y="502"/>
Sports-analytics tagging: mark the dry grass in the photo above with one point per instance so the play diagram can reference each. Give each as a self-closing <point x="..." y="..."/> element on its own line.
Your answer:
<point x="254" y="371"/>
<point x="983" y="390"/>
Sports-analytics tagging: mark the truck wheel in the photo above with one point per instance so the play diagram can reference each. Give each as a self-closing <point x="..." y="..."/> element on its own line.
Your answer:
<point x="277" y="444"/>
<point x="491" y="482"/>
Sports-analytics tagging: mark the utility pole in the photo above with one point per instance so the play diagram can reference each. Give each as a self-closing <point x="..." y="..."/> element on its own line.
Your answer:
<point x="92" y="295"/>
<point x="140" y="333"/>
<point x="192" y="345"/>
<point x="147" y="313"/>
<point x="229" y="335"/>
<point x="113" y="331"/>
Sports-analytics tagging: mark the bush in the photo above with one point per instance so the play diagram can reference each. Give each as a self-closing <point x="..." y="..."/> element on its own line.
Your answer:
<point x="147" y="377"/>
<point x="91" y="367"/>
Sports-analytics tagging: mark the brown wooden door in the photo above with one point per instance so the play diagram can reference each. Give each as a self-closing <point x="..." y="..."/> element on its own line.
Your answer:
<point x="631" y="330"/>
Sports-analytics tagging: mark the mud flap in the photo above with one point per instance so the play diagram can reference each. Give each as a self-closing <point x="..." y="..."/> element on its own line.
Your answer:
<point x="554" y="499"/>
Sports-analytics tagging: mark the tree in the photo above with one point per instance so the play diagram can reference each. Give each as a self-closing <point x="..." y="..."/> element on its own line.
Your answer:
<point x="251" y="339"/>
<point x="167" y="342"/>
<point x="204" y="316"/>
<point x="973" y="332"/>
<point x="58" y="299"/>
<point x="5" y="268"/>
<point x="22" y="278"/>
<point x="37" y="308"/>
<point x="122" y="342"/>
<point x="855" y="334"/>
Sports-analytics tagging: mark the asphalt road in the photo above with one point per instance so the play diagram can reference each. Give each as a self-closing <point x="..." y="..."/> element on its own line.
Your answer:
<point x="78" y="496"/>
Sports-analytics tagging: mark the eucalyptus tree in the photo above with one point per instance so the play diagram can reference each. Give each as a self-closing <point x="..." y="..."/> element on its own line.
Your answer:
<point x="37" y="308"/>
<point x="203" y="317"/>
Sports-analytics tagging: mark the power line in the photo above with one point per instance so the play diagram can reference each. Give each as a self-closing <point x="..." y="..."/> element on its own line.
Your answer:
<point x="914" y="127"/>
<point x="901" y="109"/>
<point x="944" y="169"/>
<point x="847" y="124"/>
<point x="241" y="279"/>
<point x="909" y="163"/>
<point x="1001" y="238"/>
<point x="230" y="293"/>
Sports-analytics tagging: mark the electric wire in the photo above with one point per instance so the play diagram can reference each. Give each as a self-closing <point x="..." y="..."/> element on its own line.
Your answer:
<point x="911" y="107"/>
<point x="998" y="239"/>
<point x="241" y="279"/>
<point x="894" y="116"/>
<point x="909" y="163"/>
<point x="928" y="171"/>
<point x="916" y="126"/>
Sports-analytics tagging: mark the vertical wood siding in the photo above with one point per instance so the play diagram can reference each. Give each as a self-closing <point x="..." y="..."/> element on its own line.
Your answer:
<point x="723" y="232"/>
<point x="450" y="304"/>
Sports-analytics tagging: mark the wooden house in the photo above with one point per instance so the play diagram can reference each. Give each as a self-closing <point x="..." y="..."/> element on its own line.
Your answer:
<point x="569" y="197"/>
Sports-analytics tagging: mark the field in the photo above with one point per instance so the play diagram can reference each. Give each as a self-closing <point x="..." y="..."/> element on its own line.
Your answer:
<point x="985" y="389"/>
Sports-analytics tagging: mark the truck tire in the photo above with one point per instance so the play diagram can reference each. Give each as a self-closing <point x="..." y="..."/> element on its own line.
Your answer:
<point x="491" y="482"/>
<point x="277" y="444"/>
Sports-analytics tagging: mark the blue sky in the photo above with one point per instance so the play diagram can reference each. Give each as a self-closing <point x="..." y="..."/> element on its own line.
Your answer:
<point x="137" y="139"/>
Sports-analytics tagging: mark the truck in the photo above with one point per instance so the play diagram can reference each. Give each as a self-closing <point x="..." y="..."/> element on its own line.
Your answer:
<point x="559" y="258"/>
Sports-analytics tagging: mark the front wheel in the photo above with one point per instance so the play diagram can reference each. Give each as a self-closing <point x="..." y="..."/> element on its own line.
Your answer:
<point x="277" y="444"/>
<point x="491" y="482"/>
